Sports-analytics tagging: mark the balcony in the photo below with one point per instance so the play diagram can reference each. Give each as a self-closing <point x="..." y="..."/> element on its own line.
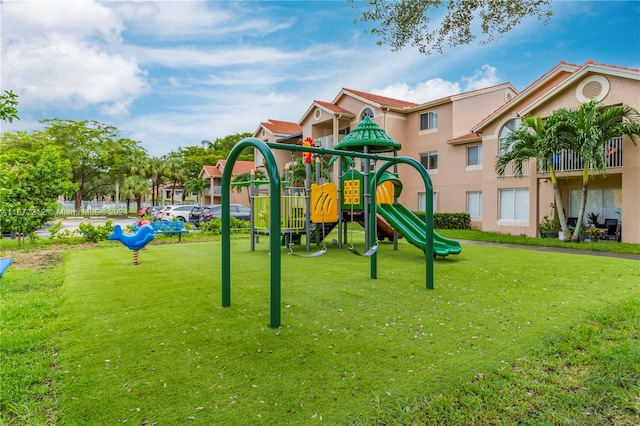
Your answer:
<point x="570" y="161"/>
<point x="326" y="141"/>
<point x="509" y="171"/>
<point x="216" y="191"/>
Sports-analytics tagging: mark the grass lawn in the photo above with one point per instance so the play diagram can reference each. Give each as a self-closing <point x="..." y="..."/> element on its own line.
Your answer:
<point x="151" y="345"/>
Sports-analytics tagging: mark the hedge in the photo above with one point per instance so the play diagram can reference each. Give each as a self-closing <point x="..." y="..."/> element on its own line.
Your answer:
<point x="449" y="220"/>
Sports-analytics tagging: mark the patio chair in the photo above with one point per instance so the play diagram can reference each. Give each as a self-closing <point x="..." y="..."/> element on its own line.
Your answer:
<point x="610" y="228"/>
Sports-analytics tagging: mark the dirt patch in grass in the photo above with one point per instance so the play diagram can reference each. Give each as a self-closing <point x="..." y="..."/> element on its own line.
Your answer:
<point x="41" y="258"/>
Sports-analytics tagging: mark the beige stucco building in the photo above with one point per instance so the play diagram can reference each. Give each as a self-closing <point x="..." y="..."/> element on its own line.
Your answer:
<point x="213" y="176"/>
<point x="457" y="139"/>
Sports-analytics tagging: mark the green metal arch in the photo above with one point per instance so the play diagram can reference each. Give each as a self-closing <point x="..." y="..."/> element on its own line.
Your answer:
<point x="275" y="225"/>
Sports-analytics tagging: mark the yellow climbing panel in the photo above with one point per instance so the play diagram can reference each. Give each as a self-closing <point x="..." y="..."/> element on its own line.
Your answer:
<point x="324" y="203"/>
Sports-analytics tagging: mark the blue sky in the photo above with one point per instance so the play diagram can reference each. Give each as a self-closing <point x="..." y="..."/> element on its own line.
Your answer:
<point x="173" y="73"/>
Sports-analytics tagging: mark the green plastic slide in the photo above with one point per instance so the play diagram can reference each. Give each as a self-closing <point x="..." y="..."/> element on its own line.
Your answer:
<point x="413" y="229"/>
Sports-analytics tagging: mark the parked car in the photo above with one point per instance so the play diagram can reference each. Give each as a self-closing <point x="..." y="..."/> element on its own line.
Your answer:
<point x="194" y="216"/>
<point x="181" y="212"/>
<point x="237" y="210"/>
<point x="144" y="211"/>
<point x="157" y="213"/>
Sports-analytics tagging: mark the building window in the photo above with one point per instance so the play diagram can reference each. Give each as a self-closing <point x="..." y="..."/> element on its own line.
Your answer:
<point x="606" y="203"/>
<point x="422" y="204"/>
<point x="258" y="158"/>
<point x="514" y="204"/>
<point x="474" y="156"/>
<point x="509" y="127"/>
<point x="474" y="204"/>
<point x="367" y="112"/>
<point x="429" y="160"/>
<point x="429" y="120"/>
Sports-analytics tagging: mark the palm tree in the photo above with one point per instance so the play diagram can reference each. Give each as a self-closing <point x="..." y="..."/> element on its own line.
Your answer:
<point x="588" y="128"/>
<point x="134" y="186"/>
<point x="176" y="172"/>
<point x="154" y="168"/>
<point x="198" y="186"/>
<point x="535" y="138"/>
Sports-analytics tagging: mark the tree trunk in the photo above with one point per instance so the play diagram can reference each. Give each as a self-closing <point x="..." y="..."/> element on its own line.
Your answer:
<point x="560" y="210"/>
<point x="559" y="207"/>
<point x="583" y="205"/>
<point x="78" y="203"/>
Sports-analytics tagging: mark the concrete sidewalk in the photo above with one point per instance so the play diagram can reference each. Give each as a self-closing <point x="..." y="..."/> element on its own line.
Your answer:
<point x="558" y="249"/>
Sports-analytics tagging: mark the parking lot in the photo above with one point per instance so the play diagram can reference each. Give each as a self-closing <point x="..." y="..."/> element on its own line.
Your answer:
<point x="72" y="223"/>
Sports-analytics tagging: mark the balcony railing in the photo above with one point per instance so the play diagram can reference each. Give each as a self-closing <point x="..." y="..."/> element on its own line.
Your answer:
<point x="509" y="170"/>
<point x="326" y="141"/>
<point x="570" y="161"/>
<point x="217" y="190"/>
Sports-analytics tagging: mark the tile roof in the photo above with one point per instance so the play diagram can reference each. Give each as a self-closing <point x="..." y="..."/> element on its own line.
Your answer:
<point x="239" y="168"/>
<point x="281" y="127"/>
<point x="591" y="62"/>
<point x="332" y="107"/>
<point x="381" y="100"/>
<point x="212" y="170"/>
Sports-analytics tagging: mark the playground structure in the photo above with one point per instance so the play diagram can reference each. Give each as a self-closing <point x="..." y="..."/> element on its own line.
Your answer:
<point x="324" y="214"/>
<point x="280" y="216"/>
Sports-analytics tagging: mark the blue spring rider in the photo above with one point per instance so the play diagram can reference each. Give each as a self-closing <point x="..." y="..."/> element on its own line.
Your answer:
<point x="134" y="242"/>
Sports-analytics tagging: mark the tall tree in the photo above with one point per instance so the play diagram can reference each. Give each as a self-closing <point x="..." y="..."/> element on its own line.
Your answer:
<point x="8" y="104"/>
<point x="587" y="129"/>
<point x="430" y="25"/>
<point x="134" y="187"/>
<point x="177" y="174"/>
<point x="197" y="186"/>
<point x="96" y="152"/>
<point x="154" y="168"/>
<point x="535" y="138"/>
<point x="28" y="198"/>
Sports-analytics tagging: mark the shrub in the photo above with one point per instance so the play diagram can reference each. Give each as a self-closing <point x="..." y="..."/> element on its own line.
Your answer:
<point x="449" y="220"/>
<point x="93" y="234"/>
<point x="214" y="226"/>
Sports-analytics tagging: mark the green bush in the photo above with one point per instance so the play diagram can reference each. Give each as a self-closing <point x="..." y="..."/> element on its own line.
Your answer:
<point x="214" y="226"/>
<point x="449" y="220"/>
<point x="93" y="234"/>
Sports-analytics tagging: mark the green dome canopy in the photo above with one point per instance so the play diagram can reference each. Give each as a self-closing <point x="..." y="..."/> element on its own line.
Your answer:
<point x="368" y="134"/>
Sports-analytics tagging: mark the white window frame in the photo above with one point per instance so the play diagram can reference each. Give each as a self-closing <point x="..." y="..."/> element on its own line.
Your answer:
<point x="477" y="166"/>
<point x="513" y="206"/>
<point x="422" y="205"/>
<point x="505" y="130"/>
<point x="474" y="204"/>
<point x="431" y="120"/>
<point x="429" y="155"/>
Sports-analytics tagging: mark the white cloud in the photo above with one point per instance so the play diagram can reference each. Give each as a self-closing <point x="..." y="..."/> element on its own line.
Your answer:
<point x="422" y="92"/>
<point x="61" y="53"/>
<point x="486" y="76"/>
<point x="188" y="19"/>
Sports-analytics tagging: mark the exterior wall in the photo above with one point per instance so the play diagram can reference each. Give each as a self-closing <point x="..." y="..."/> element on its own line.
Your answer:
<point x="457" y="116"/>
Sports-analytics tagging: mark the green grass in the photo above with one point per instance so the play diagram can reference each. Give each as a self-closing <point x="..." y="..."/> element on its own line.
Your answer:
<point x="151" y="343"/>
<point x="496" y="237"/>
<point x="29" y="323"/>
<point x="588" y="376"/>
